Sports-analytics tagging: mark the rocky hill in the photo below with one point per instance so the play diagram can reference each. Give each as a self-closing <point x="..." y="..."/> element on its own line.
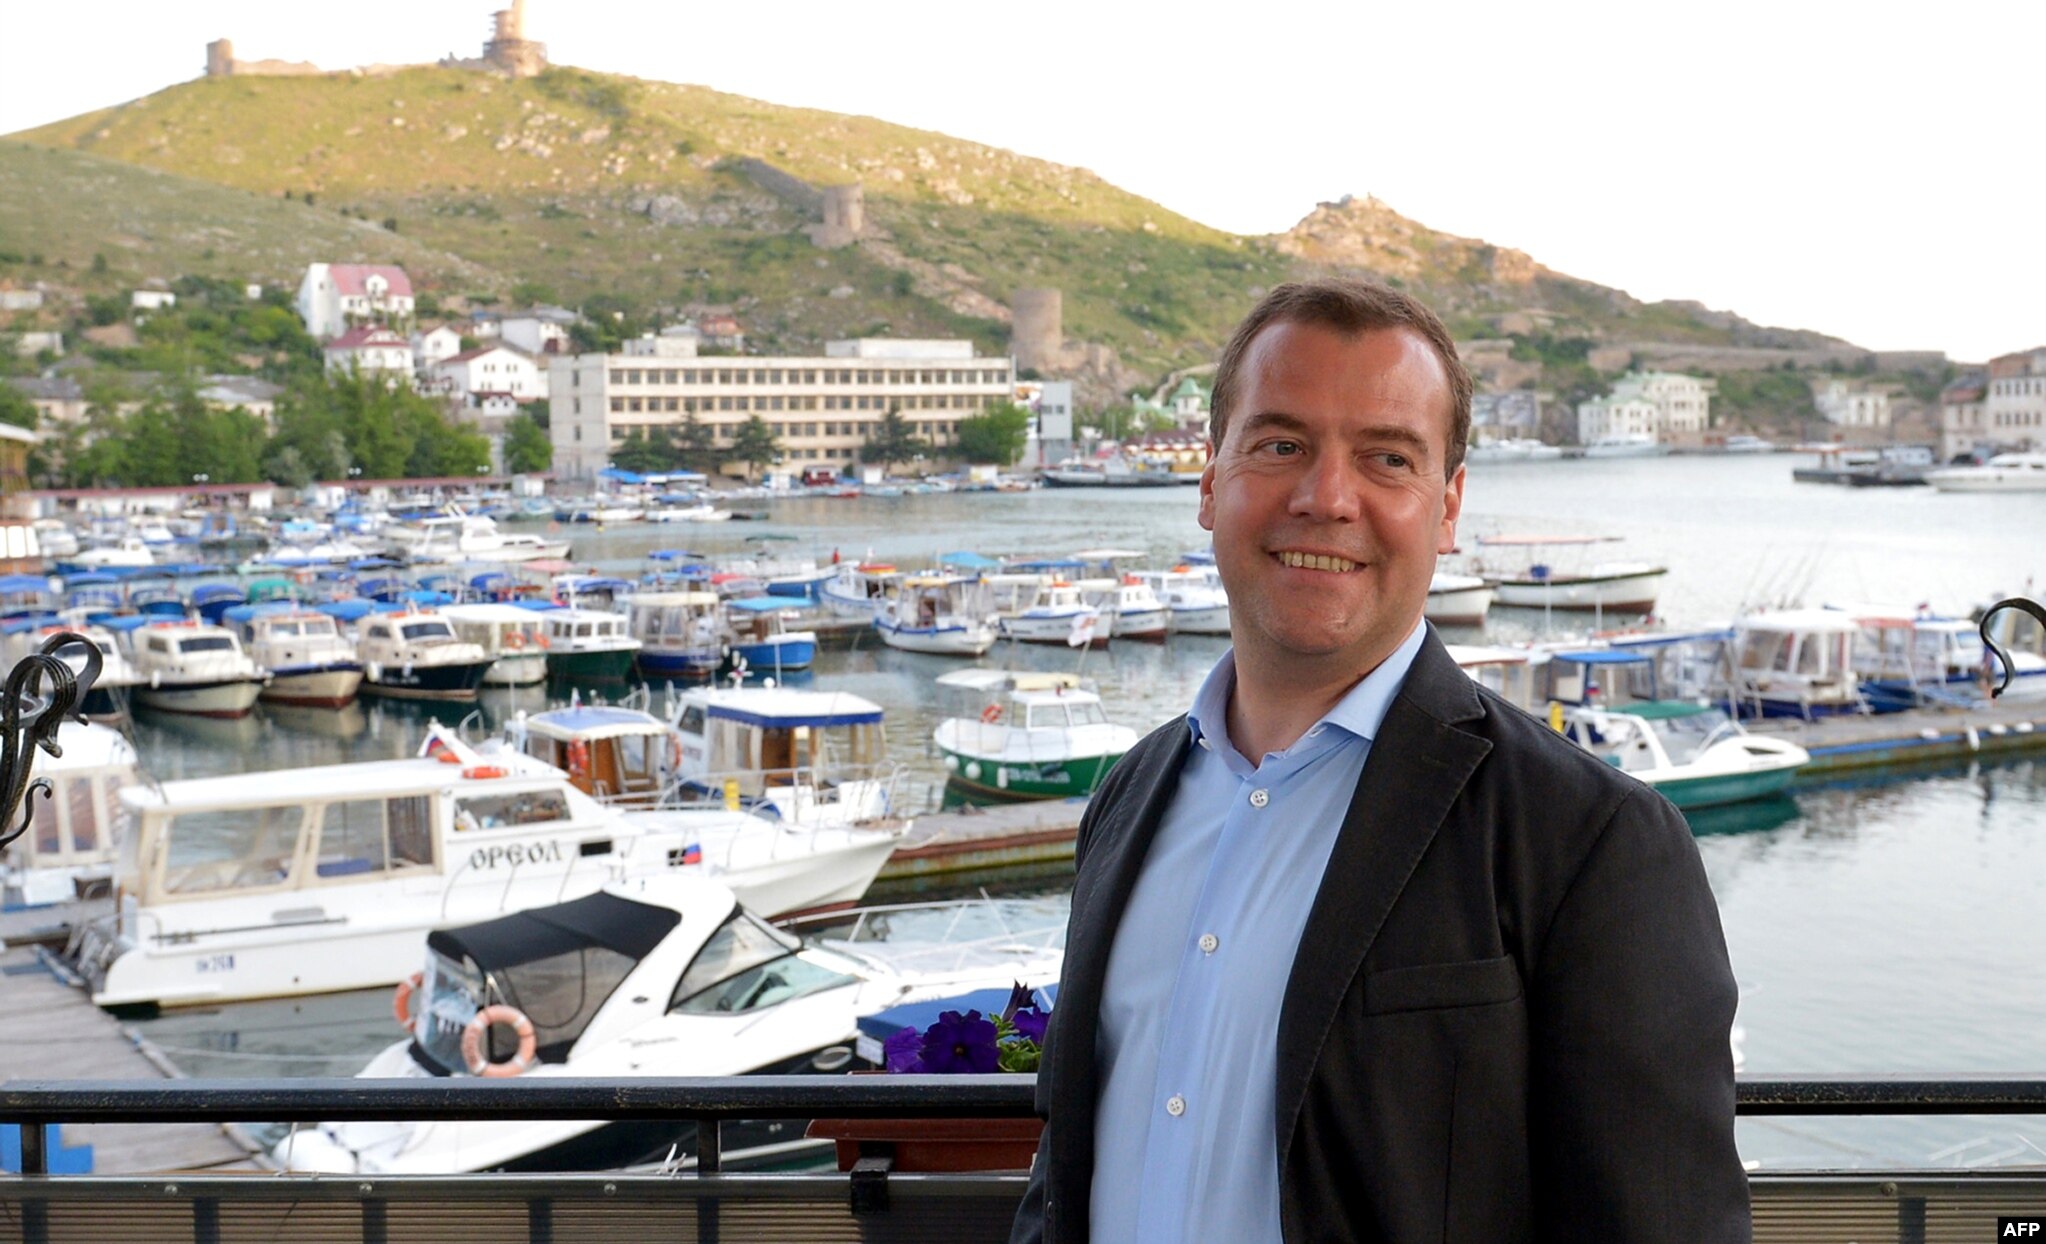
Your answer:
<point x="585" y="187"/>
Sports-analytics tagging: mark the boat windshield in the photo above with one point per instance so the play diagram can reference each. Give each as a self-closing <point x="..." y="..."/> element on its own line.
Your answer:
<point x="1683" y="737"/>
<point x="746" y="965"/>
<point x="230" y="848"/>
<point x="427" y="630"/>
<point x="206" y="643"/>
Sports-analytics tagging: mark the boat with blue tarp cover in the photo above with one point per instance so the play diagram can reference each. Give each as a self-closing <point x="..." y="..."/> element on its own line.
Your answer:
<point x="757" y="634"/>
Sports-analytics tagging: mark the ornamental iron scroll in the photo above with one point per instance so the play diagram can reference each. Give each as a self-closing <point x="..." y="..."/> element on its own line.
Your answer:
<point x="2022" y="605"/>
<point x="41" y="692"/>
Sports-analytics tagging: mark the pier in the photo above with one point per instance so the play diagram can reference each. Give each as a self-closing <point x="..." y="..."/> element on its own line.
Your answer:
<point x="1915" y="736"/>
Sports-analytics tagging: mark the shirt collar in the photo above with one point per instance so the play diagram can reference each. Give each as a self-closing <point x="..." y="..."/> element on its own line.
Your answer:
<point x="1360" y="712"/>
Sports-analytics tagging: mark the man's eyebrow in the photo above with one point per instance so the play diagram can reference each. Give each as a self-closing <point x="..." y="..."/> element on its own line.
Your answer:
<point x="1279" y="420"/>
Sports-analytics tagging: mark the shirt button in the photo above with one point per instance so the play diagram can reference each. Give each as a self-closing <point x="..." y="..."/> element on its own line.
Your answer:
<point x="1259" y="798"/>
<point x="1209" y="942"/>
<point x="1175" y="1105"/>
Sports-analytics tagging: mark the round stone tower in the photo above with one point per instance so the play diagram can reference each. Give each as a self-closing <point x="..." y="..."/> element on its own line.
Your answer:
<point x="220" y="58"/>
<point x="1035" y="331"/>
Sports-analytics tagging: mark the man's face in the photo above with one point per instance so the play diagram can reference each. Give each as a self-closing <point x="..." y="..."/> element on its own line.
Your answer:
<point x="1327" y="497"/>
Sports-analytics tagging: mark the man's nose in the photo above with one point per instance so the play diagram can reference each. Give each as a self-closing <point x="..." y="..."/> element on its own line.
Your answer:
<point x="1327" y="490"/>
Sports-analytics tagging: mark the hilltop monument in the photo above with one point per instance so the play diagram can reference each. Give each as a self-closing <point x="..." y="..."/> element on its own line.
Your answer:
<point x="508" y="51"/>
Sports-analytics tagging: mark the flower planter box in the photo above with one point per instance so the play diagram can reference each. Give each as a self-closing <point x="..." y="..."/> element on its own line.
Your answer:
<point x="931" y="1146"/>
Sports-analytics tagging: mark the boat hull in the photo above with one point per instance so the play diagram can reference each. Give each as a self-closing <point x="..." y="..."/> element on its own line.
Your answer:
<point x="227" y="697"/>
<point x="656" y="664"/>
<point x="613" y="665"/>
<point x="1200" y="620"/>
<point x="992" y="777"/>
<point x="1712" y="792"/>
<point x="1146" y="624"/>
<point x="794" y="651"/>
<point x="1627" y="593"/>
<point x="1050" y="628"/>
<point x="516" y="669"/>
<point x="320" y="686"/>
<point x="1460" y="607"/>
<point x="456" y="680"/>
<point x="944" y="641"/>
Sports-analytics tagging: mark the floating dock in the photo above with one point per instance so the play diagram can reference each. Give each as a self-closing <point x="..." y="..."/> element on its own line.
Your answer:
<point x="973" y="839"/>
<point x="1912" y="737"/>
<point x="51" y="1031"/>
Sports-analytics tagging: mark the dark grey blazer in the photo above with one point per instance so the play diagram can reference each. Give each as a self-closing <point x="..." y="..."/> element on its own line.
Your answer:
<point x="1508" y="1016"/>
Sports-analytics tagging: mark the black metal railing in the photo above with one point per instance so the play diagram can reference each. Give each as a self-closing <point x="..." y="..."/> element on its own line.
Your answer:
<point x="709" y="1202"/>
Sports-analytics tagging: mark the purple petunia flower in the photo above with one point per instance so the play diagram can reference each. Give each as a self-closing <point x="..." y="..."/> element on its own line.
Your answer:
<point x="960" y="1044"/>
<point x="1030" y="1024"/>
<point x="903" y="1051"/>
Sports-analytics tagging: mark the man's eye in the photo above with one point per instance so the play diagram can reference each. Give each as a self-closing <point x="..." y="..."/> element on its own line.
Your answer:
<point x="1398" y="461"/>
<point x="1284" y="449"/>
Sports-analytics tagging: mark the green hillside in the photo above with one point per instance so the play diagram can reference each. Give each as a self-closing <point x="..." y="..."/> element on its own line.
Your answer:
<point x="641" y="196"/>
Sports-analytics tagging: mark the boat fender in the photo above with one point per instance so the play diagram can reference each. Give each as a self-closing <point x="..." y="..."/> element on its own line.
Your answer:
<point x="472" y="1042"/>
<point x="578" y="759"/>
<point x="674" y="754"/>
<point x="483" y="771"/>
<point x="401" y="1001"/>
<point x="991" y="714"/>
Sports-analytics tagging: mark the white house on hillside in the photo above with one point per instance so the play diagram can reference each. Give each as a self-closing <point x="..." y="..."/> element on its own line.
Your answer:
<point x="488" y="369"/>
<point x="336" y="297"/>
<point x="1849" y="405"/>
<point x="1666" y="405"/>
<point x="367" y="350"/>
<point x="435" y="344"/>
<point x="539" y="330"/>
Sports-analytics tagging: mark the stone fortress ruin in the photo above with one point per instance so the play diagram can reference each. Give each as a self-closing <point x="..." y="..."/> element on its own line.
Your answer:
<point x="508" y="51"/>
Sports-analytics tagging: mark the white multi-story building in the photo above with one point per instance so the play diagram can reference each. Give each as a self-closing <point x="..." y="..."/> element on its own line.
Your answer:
<point x="436" y="343"/>
<point x="1666" y="405"/>
<point x="540" y="331"/>
<point x="1845" y="404"/>
<point x="1963" y="417"/>
<point x="487" y="369"/>
<point x="821" y="408"/>
<point x="334" y="297"/>
<point x="370" y="350"/>
<point x="2014" y="408"/>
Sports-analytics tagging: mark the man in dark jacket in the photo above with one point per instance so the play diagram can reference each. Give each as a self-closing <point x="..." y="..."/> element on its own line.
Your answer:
<point x="1358" y="951"/>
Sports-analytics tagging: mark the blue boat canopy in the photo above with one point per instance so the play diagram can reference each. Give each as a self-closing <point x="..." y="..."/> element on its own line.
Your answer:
<point x="262" y="609"/>
<point x="969" y="561"/>
<point x="125" y="621"/>
<point x="208" y="593"/>
<point x="536" y="604"/>
<point x="623" y="477"/>
<point x="29" y="622"/>
<point x="1056" y="563"/>
<point x="1603" y="656"/>
<point x="764" y="604"/>
<point x="675" y="555"/>
<point x="13" y="583"/>
<point x="351" y="610"/>
<point x="783" y="721"/>
<point x="91" y="578"/>
<point x="596" y="583"/>
<point x="1664" y="641"/>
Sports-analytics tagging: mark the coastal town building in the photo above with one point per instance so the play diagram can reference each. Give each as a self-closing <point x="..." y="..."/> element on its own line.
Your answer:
<point x="21" y="299"/>
<point x="20" y="551"/>
<point x="58" y="400"/>
<point x="2014" y="408"/>
<point x="821" y="408"/>
<point x="151" y="299"/>
<point x="539" y="331"/>
<point x="1847" y="404"/>
<point x="250" y="393"/>
<point x="487" y="369"/>
<point x="1050" y="438"/>
<point x="366" y="351"/>
<point x="28" y="345"/>
<point x="1962" y="412"/>
<point x="333" y="298"/>
<point x="1669" y="407"/>
<point x="1513" y="415"/>
<point x="442" y="341"/>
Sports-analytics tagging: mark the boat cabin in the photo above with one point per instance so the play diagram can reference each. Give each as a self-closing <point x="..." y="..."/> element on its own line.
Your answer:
<point x="768" y="735"/>
<point x="73" y="836"/>
<point x="1796" y="663"/>
<point x="617" y="755"/>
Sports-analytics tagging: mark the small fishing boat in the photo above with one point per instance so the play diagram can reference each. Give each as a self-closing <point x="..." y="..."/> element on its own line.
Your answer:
<point x="515" y="639"/>
<point x="1693" y="754"/>
<point x="757" y="633"/>
<point x="680" y="634"/>
<point x="945" y="615"/>
<point x="417" y="655"/>
<point x="1601" y="587"/>
<point x="2017" y="472"/>
<point x="108" y="700"/>
<point x="1013" y="735"/>
<point x="809" y="758"/>
<point x="302" y="881"/>
<point x="1055" y="612"/>
<point x="662" y="978"/>
<point x="309" y="661"/>
<point x="1908" y="658"/>
<point x="588" y="645"/>
<point x="193" y="667"/>
<point x="1796" y="663"/>
<point x="1458" y="599"/>
<point x="1129" y="608"/>
<point x="1195" y="601"/>
<point x="861" y="590"/>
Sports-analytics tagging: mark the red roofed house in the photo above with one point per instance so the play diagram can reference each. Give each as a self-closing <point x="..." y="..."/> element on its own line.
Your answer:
<point x="336" y="297"/>
<point x="370" y="350"/>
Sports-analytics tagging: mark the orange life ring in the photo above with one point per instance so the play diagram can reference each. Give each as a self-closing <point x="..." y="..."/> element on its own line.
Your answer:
<point x="514" y="639"/>
<point x="991" y="714"/>
<point x="544" y="645"/>
<point x="449" y="756"/>
<point x="472" y="1042"/>
<point x="401" y="1002"/>
<point x="578" y="758"/>
<point x="674" y="753"/>
<point x="483" y="771"/>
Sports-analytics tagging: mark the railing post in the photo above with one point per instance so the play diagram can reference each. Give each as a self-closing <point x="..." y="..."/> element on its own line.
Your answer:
<point x="1911" y="1220"/>
<point x="376" y="1227"/>
<point x="540" y="1220"/>
<point x="35" y="1214"/>
<point x="35" y="1152"/>
<point x="205" y="1220"/>
<point x="710" y="1159"/>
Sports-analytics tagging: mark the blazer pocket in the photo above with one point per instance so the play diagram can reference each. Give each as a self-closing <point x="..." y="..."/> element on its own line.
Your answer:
<point x="1439" y="986"/>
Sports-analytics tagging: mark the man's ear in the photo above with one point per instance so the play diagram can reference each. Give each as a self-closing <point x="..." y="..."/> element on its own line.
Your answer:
<point x="1207" y="512"/>
<point x="1452" y="509"/>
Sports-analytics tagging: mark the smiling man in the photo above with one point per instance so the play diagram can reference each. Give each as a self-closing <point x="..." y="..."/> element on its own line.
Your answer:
<point x="1358" y="951"/>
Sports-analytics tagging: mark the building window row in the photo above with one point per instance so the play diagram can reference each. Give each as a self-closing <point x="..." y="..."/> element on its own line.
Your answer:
<point x="768" y="405"/>
<point x="807" y="375"/>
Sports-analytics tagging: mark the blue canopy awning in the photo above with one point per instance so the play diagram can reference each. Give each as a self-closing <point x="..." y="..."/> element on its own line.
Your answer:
<point x="969" y="561"/>
<point x="855" y="717"/>
<point x="13" y="583"/>
<point x="764" y="604"/>
<point x="1603" y="656"/>
<point x="623" y="477"/>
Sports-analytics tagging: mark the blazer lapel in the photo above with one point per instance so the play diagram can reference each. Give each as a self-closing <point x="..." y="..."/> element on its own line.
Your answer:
<point x="1417" y="768"/>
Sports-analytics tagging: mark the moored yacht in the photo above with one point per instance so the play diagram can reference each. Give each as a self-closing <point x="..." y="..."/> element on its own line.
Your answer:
<point x="2017" y="472"/>
<point x="1693" y="754"/>
<point x="679" y="633"/>
<point x="946" y="615"/>
<point x="860" y="590"/>
<point x="417" y="655"/>
<point x="1129" y="608"/>
<point x="513" y="638"/>
<point x="1796" y="663"/>
<point x="757" y="634"/>
<point x="1458" y="599"/>
<point x="804" y="757"/>
<point x="309" y="661"/>
<point x="1017" y="735"/>
<point x="1194" y="599"/>
<point x="1055" y="612"/>
<point x="1520" y="581"/>
<point x="191" y="667"/>
<point x="588" y="645"/>
<point x="73" y="836"/>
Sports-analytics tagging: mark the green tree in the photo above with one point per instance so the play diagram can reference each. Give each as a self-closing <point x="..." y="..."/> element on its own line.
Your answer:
<point x="755" y="445"/>
<point x="527" y="447"/>
<point x="891" y="440"/>
<point x="15" y="408"/>
<point x="638" y="452"/>
<point x="995" y="436"/>
<point x="696" y="446"/>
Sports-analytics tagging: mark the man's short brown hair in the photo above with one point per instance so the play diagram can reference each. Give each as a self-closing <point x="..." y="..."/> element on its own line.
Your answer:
<point x="1348" y="306"/>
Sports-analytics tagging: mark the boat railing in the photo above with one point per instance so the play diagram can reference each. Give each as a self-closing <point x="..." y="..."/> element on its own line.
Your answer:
<point x="704" y="1199"/>
<point x="817" y="796"/>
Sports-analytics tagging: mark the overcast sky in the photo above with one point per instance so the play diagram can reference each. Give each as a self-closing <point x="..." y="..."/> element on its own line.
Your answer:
<point x="1866" y="170"/>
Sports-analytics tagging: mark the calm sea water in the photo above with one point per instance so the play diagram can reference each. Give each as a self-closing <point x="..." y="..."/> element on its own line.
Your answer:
<point x="1877" y="927"/>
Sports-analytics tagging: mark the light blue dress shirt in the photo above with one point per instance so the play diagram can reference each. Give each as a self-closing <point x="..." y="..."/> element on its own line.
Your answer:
<point x="1184" y="1149"/>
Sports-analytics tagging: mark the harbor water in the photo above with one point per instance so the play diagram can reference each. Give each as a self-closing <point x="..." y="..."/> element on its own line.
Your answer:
<point x="1887" y="925"/>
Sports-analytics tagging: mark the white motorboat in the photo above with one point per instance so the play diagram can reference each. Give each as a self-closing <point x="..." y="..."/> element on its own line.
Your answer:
<point x="309" y="661"/>
<point x="1907" y="658"/>
<point x="301" y="881"/>
<point x="1027" y="735"/>
<point x="1694" y="754"/>
<point x="861" y="590"/>
<point x="704" y="513"/>
<point x="1194" y="599"/>
<point x="1512" y="449"/>
<point x="128" y="551"/>
<point x="108" y="699"/>
<point x="588" y="645"/>
<point x="681" y="634"/>
<point x="193" y="667"/>
<point x="1629" y="445"/>
<point x="662" y="978"/>
<point x="1055" y="613"/>
<point x="514" y="639"/>
<point x="74" y="835"/>
<point x="454" y="536"/>
<point x="1629" y="587"/>
<point x="1796" y="663"/>
<point x="526" y="547"/>
<point x="417" y="655"/>
<point x="1129" y="608"/>
<point x="2017" y="472"/>
<point x="946" y="615"/>
<point x="56" y="539"/>
<point x="1458" y="599"/>
<point x="809" y="758"/>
